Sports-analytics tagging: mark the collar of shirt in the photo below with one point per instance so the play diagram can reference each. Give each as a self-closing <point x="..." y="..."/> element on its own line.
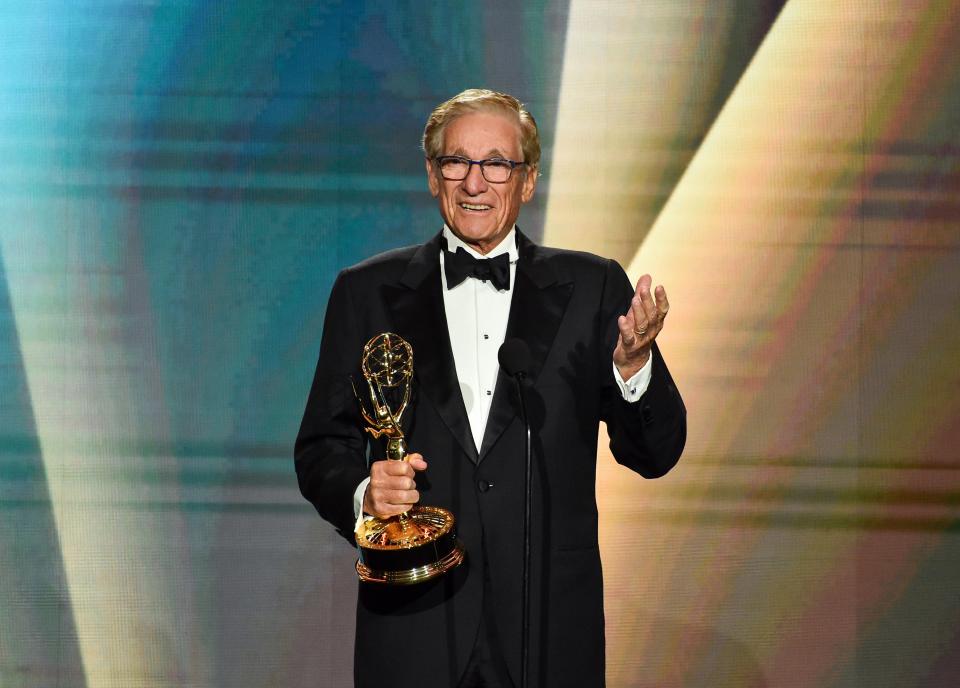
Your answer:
<point x="508" y="245"/>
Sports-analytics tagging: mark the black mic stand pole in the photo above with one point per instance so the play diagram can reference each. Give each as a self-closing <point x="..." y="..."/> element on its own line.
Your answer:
<point x="527" y="519"/>
<point x="514" y="357"/>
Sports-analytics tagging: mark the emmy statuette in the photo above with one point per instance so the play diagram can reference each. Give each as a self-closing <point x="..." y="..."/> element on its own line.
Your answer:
<point x="421" y="543"/>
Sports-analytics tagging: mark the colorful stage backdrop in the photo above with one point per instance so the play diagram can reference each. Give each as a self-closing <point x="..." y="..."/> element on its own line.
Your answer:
<point x="181" y="180"/>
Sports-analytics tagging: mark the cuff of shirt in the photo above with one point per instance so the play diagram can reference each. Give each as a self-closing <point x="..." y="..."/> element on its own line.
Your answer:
<point x="358" y="502"/>
<point x="633" y="388"/>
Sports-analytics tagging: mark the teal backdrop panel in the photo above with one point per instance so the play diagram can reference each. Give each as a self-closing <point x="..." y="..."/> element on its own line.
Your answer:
<point x="180" y="182"/>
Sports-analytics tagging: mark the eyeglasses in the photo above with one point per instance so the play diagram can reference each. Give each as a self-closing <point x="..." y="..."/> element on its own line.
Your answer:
<point x="455" y="168"/>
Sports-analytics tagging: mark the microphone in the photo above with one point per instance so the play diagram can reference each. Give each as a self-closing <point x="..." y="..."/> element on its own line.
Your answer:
<point x="514" y="357"/>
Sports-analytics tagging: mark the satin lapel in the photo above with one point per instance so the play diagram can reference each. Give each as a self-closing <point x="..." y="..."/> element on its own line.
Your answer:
<point x="416" y="305"/>
<point x="540" y="299"/>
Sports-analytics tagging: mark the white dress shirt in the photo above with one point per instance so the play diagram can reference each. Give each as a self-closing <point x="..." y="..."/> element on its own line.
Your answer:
<point x="477" y="315"/>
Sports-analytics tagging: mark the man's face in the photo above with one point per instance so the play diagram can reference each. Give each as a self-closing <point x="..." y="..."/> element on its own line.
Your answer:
<point x="479" y="212"/>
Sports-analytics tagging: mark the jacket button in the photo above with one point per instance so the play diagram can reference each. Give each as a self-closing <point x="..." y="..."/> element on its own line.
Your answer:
<point x="483" y="485"/>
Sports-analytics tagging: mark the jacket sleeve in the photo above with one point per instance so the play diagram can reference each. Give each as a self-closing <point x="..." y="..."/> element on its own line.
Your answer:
<point x="647" y="435"/>
<point x="330" y="451"/>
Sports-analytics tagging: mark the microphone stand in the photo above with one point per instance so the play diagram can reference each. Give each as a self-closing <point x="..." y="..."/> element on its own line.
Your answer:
<point x="527" y="520"/>
<point x="514" y="357"/>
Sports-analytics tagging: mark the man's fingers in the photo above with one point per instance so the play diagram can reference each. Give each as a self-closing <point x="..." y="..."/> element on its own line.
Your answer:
<point x="626" y="325"/>
<point x="644" y="281"/>
<point x="396" y="468"/>
<point x="402" y="498"/>
<point x="639" y="311"/>
<point x="417" y="461"/>
<point x="649" y="306"/>
<point x="651" y="315"/>
<point x="662" y="304"/>
<point x="383" y="510"/>
<point x="387" y="502"/>
<point x="385" y="481"/>
<point x="394" y="483"/>
<point x="395" y="500"/>
<point x="645" y="294"/>
<point x="413" y="462"/>
<point x="641" y="316"/>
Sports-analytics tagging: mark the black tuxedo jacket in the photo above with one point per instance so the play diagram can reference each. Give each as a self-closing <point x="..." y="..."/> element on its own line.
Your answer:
<point x="565" y="307"/>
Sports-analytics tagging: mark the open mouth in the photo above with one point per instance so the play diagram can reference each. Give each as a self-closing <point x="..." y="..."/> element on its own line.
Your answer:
<point x="476" y="207"/>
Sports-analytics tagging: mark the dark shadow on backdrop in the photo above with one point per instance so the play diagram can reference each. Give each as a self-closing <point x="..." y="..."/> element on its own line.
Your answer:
<point x="38" y="637"/>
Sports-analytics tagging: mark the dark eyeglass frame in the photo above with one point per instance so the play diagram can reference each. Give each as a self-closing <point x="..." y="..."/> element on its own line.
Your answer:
<point x="482" y="163"/>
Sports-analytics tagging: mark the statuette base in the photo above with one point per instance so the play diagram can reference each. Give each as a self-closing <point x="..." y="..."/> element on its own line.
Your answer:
<point x="412" y="548"/>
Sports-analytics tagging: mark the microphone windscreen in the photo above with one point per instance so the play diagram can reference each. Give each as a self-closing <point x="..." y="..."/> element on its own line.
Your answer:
<point x="514" y="356"/>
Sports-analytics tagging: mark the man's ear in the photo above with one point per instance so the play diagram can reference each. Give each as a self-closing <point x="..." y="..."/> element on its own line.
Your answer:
<point x="529" y="183"/>
<point x="432" y="180"/>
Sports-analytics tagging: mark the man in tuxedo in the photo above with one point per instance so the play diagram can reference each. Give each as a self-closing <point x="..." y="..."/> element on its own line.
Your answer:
<point x="594" y="358"/>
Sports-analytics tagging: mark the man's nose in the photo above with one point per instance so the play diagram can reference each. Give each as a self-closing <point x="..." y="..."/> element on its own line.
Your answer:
<point x="474" y="182"/>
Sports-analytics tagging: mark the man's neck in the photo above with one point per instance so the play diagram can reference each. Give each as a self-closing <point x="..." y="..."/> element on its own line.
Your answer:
<point x="507" y="245"/>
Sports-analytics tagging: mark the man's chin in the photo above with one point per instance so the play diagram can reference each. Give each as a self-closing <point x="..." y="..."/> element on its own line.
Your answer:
<point x="474" y="233"/>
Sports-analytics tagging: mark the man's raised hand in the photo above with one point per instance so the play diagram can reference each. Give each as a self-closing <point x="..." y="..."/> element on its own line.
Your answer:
<point x="639" y="326"/>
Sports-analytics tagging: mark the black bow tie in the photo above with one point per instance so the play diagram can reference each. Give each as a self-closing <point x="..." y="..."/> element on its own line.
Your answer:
<point x="461" y="265"/>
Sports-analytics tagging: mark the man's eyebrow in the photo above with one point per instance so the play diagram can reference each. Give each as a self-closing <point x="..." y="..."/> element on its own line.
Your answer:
<point x="492" y="153"/>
